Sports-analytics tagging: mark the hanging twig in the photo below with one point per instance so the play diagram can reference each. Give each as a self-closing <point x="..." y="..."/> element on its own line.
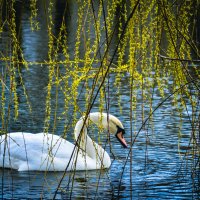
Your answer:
<point x="178" y="59"/>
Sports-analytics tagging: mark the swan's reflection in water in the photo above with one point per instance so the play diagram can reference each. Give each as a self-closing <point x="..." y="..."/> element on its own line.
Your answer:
<point x="34" y="184"/>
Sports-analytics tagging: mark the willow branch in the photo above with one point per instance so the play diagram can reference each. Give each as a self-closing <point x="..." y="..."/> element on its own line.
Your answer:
<point x="178" y="59"/>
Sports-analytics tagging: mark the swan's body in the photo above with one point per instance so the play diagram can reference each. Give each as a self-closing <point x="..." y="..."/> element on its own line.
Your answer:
<point x="46" y="152"/>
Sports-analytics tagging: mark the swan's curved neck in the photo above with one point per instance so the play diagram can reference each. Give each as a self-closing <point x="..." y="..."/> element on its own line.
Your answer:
<point x="87" y="145"/>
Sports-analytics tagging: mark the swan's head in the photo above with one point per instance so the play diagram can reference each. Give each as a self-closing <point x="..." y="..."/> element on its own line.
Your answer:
<point x="116" y="127"/>
<point x="112" y="124"/>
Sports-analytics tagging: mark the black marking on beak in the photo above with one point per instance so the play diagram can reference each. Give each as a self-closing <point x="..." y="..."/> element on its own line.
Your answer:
<point x="120" y="136"/>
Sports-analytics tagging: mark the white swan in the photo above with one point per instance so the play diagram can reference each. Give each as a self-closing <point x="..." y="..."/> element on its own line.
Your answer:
<point x="47" y="152"/>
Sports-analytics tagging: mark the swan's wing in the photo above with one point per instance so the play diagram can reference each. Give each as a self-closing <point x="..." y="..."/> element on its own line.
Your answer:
<point x="12" y="151"/>
<point x="25" y="151"/>
<point x="56" y="146"/>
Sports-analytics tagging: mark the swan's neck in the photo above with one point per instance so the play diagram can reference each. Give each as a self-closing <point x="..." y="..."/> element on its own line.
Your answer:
<point x="87" y="145"/>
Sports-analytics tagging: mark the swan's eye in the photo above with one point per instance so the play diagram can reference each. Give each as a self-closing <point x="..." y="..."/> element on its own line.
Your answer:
<point x="119" y="129"/>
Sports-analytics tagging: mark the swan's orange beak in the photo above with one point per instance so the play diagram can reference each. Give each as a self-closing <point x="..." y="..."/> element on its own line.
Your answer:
<point x="120" y="136"/>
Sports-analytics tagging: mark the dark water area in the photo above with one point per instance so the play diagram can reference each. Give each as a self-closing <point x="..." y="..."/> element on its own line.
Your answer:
<point x="161" y="166"/>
